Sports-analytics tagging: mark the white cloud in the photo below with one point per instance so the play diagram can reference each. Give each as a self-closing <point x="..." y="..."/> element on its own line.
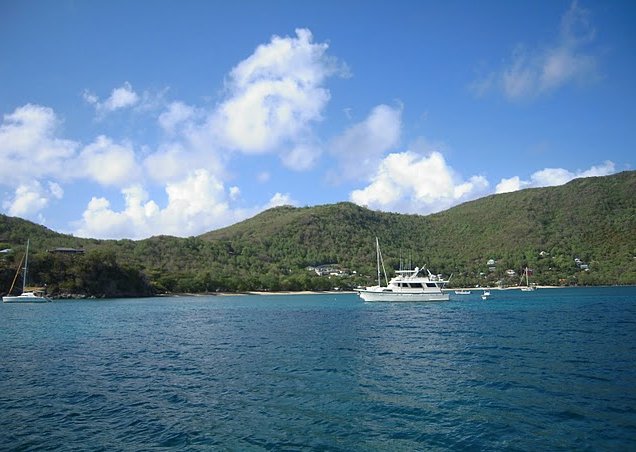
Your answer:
<point x="360" y="148"/>
<point x="120" y="98"/>
<point x="604" y="169"/>
<point x="99" y="221"/>
<point x="108" y="163"/>
<point x="30" y="198"/>
<point x="171" y="162"/>
<point x="553" y="176"/>
<point x="531" y="73"/>
<point x="302" y="157"/>
<point x="280" y="199"/>
<point x="411" y="182"/>
<point x="275" y="94"/>
<point x="235" y="193"/>
<point x="273" y="98"/>
<point x="509" y="185"/>
<point x="29" y="147"/>
<point x="195" y="205"/>
<point x="193" y="147"/>
<point x="56" y="190"/>
<point x="177" y="114"/>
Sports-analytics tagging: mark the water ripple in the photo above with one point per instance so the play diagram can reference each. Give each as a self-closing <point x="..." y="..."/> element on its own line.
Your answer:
<point x="551" y="370"/>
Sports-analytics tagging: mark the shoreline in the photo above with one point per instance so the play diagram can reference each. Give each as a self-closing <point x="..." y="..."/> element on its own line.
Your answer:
<point x="333" y="292"/>
<point x="309" y="292"/>
<point x="259" y="293"/>
<point x="507" y="288"/>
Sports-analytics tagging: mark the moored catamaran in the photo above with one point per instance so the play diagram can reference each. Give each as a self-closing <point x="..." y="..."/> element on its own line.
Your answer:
<point x="28" y="295"/>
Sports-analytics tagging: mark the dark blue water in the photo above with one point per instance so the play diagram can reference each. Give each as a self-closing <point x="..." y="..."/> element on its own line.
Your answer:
<point x="549" y="370"/>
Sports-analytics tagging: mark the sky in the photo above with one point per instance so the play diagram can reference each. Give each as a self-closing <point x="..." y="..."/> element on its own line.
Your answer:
<point x="129" y="119"/>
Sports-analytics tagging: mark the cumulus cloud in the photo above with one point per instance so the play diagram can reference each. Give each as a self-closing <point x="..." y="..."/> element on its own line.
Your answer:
<point x="30" y="147"/>
<point x="411" y="182"/>
<point x="553" y="176"/>
<point x="30" y="198"/>
<point x="360" y="148"/>
<point x="533" y="72"/>
<point x="175" y="116"/>
<point x="108" y="163"/>
<point x="120" y="98"/>
<point x="275" y="95"/>
<point x="195" y="204"/>
<point x="193" y="147"/>
<point x="511" y="184"/>
<point x="235" y="193"/>
<point x="56" y="190"/>
<point x="301" y="157"/>
<point x="280" y="199"/>
<point x="271" y="102"/>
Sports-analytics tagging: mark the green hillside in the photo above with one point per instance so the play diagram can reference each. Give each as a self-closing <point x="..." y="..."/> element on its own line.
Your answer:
<point x="592" y="220"/>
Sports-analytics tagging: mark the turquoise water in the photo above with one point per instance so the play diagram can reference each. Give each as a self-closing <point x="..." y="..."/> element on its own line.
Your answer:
<point x="544" y="370"/>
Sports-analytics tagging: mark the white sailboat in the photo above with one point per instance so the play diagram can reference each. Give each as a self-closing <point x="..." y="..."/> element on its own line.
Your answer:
<point x="408" y="285"/>
<point x="31" y="296"/>
<point x="527" y="287"/>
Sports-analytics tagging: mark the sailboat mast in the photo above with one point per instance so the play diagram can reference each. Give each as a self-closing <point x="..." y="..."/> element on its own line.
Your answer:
<point x="377" y="252"/>
<point x="26" y="263"/>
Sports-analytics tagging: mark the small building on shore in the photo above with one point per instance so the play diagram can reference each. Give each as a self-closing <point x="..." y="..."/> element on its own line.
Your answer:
<point x="63" y="250"/>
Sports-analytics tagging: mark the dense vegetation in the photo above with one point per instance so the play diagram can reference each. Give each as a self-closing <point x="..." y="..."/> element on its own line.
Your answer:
<point x="546" y="229"/>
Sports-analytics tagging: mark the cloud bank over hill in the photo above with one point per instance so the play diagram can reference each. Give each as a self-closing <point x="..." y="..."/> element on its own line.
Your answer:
<point x="181" y="168"/>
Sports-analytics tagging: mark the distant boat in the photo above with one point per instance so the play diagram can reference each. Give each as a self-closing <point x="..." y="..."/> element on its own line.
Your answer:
<point x="485" y="294"/>
<point x="527" y="287"/>
<point x="462" y="292"/>
<point x="27" y="296"/>
<point x="406" y="286"/>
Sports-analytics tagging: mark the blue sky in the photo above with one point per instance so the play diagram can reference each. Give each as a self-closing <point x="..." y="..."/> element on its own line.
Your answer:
<point x="131" y="119"/>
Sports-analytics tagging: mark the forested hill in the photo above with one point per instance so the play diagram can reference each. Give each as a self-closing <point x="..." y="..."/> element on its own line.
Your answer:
<point x="590" y="219"/>
<point x="583" y="232"/>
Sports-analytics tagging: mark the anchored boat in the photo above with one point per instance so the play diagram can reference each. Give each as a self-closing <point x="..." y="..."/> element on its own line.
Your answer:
<point x="407" y="285"/>
<point x="27" y="295"/>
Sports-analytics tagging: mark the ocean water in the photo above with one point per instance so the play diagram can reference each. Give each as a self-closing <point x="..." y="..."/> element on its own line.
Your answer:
<point x="545" y="370"/>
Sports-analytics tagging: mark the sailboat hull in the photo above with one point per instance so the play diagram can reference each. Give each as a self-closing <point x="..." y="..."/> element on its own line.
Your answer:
<point x="28" y="297"/>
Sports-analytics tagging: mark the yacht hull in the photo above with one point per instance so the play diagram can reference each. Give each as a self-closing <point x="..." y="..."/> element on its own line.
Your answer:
<point x="370" y="295"/>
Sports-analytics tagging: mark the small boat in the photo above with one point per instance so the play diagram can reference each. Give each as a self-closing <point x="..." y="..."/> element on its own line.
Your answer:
<point x="485" y="294"/>
<point x="28" y="295"/>
<point x="408" y="285"/>
<point x="527" y="287"/>
<point x="462" y="292"/>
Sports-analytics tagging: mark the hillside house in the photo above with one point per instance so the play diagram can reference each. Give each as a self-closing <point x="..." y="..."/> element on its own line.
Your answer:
<point x="63" y="250"/>
<point x="328" y="270"/>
